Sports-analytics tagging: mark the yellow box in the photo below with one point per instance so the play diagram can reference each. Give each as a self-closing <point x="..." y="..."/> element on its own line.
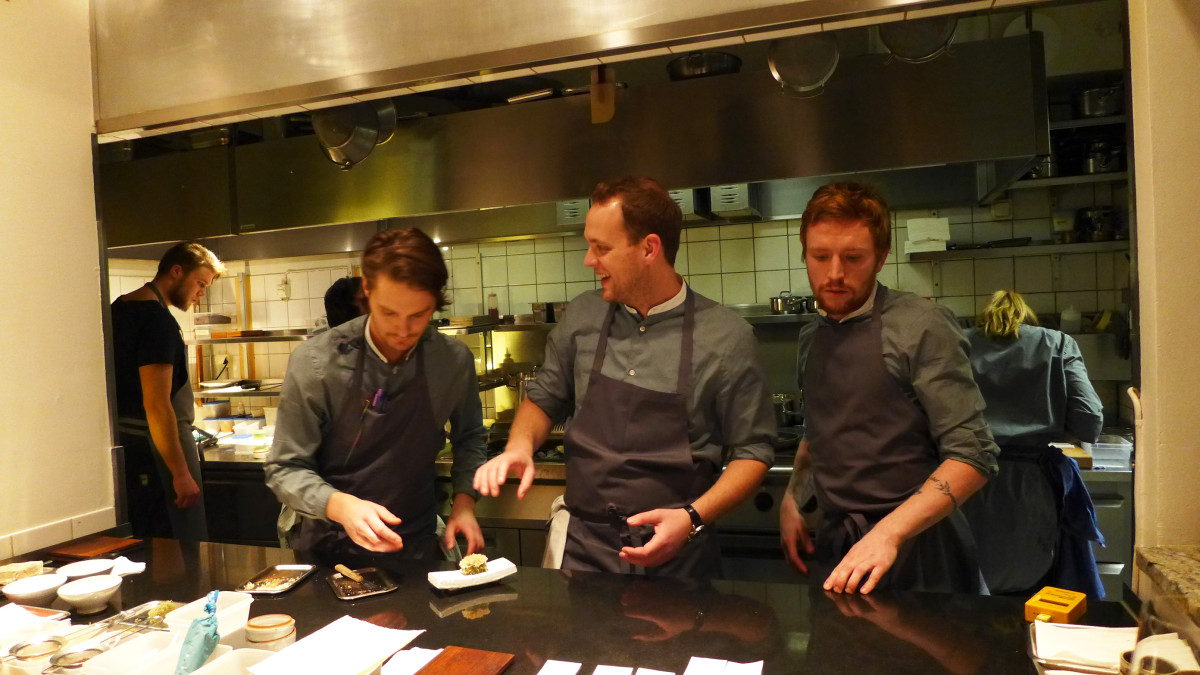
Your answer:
<point x="1055" y="605"/>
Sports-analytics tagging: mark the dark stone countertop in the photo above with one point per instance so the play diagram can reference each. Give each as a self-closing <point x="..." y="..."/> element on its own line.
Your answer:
<point x="594" y="619"/>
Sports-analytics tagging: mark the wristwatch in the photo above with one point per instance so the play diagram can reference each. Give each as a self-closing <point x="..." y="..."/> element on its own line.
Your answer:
<point x="697" y="521"/>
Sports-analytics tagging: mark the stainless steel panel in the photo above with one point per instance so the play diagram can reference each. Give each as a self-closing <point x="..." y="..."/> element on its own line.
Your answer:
<point x="185" y="195"/>
<point x="160" y="62"/>
<point x="874" y="115"/>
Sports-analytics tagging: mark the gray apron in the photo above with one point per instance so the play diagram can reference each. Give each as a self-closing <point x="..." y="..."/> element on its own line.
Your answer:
<point x="135" y="436"/>
<point x="871" y="450"/>
<point x="383" y="453"/>
<point x="1015" y="520"/>
<point x="628" y="451"/>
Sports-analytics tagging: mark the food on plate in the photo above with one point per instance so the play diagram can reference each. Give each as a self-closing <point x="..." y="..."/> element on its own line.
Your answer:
<point x="162" y="609"/>
<point x="476" y="563"/>
<point x="477" y="612"/>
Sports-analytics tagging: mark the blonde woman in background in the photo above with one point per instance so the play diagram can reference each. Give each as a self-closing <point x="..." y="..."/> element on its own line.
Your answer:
<point x="1034" y="523"/>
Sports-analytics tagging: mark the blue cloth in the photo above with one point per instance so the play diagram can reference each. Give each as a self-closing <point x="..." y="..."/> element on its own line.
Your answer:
<point x="1074" y="562"/>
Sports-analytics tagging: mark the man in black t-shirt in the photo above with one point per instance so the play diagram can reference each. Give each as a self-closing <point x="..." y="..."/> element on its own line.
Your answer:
<point x="154" y="399"/>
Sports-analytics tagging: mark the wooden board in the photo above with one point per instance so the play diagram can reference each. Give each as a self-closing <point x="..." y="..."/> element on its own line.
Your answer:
<point x="464" y="661"/>
<point x="1081" y="456"/>
<point x="92" y="547"/>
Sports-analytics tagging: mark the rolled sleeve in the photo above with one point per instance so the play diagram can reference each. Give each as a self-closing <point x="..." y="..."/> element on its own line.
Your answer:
<point x="291" y="465"/>
<point x="744" y="402"/>
<point x="468" y="436"/>
<point x="1085" y="412"/>
<point x="945" y="387"/>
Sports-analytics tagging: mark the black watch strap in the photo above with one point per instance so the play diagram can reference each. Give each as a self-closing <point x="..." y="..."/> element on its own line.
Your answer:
<point x="697" y="521"/>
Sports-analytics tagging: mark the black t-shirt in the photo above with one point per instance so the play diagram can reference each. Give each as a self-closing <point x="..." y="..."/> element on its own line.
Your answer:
<point x="144" y="332"/>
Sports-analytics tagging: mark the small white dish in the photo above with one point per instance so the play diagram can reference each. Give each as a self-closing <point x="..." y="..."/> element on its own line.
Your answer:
<point x="39" y="590"/>
<point x="86" y="568"/>
<point x="452" y="579"/>
<point x="90" y="595"/>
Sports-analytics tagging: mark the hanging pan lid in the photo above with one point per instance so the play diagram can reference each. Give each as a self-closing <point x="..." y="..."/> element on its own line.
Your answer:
<point x="804" y="63"/>
<point x="918" y="40"/>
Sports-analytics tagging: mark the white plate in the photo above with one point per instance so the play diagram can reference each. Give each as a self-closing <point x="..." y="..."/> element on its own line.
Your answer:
<point x="451" y="579"/>
<point x="86" y="568"/>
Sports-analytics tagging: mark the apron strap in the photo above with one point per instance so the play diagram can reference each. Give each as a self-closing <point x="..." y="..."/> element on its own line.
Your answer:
<point x="157" y="293"/>
<point x="685" y="352"/>
<point x="684" y="382"/>
<point x="602" y="345"/>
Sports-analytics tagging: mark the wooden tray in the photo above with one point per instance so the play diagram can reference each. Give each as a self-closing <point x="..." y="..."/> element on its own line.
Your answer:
<point x="464" y="661"/>
<point x="92" y="547"/>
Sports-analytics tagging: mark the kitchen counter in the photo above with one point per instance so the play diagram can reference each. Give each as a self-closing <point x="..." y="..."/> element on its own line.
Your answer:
<point x="1175" y="570"/>
<point x="595" y="619"/>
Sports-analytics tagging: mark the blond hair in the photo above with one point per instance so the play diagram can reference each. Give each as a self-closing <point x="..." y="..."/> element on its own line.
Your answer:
<point x="1003" y="316"/>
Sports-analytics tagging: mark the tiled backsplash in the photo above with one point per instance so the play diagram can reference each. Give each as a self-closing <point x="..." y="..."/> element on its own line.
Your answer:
<point x="750" y="263"/>
<point x="732" y="264"/>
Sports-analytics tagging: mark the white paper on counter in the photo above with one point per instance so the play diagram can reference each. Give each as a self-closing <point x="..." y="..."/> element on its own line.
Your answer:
<point x="15" y="617"/>
<point x="1094" y="646"/>
<point x="124" y="567"/>
<point x="553" y="667"/>
<point x="1171" y="647"/>
<point x="651" y="671"/>
<point x="703" y="666"/>
<point x="347" y="646"/>
<point x="928" y="228"/>
<point x="613" y="670"/>
<point x="409" y="661"/>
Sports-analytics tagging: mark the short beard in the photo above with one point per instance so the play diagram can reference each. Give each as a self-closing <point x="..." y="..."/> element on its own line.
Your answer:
<point x="177" y="298"/>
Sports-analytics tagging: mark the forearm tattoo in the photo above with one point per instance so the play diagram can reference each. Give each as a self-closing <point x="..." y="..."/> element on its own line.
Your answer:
<point x="942" y="487"/>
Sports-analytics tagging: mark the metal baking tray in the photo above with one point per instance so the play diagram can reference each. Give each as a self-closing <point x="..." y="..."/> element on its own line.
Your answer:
<point x="375" y="582"/>
<point x="276" y="579"/>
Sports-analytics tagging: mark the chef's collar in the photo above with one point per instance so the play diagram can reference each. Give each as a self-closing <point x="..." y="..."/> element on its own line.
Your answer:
<point x="865" y="309"/>
<point x="667" y="306"/>
<point x="374" y="348"/>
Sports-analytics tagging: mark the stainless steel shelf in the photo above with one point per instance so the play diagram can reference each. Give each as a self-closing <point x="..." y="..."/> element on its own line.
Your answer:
<point x="771" y="319"/>
<point x="1031" y="183"/>
<point x="1020" y="251"/>
<point x="496" y="328"/>
<point x="257" y="338"/>
<point x="1088" y="122"/>
<point x="250" y="392"/>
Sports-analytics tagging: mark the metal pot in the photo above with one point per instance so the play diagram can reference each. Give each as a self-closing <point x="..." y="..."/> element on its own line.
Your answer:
<point x="702" y="64"/>
<point x="1103" y="157"/>
<point x="1046" y="167"/>
<point x="1099" y="102"/>
<point x="784" y="406"/>
<point x="1097" y="223"/>
<point x="783" y="303"/>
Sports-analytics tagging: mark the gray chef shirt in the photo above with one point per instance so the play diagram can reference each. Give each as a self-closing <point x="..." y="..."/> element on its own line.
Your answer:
<point x="318" y="374"/>
<point x="1036" y="387"/>
<point x="926" y="353"/>
<point x="729" y="406"/>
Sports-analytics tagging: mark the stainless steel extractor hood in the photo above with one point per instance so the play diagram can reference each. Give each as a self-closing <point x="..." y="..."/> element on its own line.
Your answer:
<point x="952" y="130"/>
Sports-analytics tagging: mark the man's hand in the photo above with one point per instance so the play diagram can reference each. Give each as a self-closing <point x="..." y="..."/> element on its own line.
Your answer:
<point x="366" y="522"/>
<point x="491" y="476"/>
<point x="793" y="533"/>
<point x="187" y="493"/>
<point x="462" y="521"/>
<point x="865" y="563"/>
<point x="671" y="530"/>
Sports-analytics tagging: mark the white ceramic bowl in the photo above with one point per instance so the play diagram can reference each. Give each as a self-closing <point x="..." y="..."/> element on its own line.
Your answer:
<point x="86" y="568"/>
<point x="90" y="595"/>
<point x="38" y="590"/>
